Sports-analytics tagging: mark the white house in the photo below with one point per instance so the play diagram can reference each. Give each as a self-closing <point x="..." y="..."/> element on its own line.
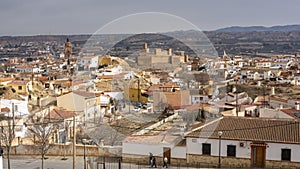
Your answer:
<point x="26" y="69"/>
<point x="296" y="81"/>
<point x="263" y="64"/>
<point x="246" y="142"/>
<point x="64" y="120"/>
<point x="198" y="96"/>
<point x="84" y="103"/>
<point x="17" y="109"/>
<point x="88" y="63"/>
<point x="137" y="147"/>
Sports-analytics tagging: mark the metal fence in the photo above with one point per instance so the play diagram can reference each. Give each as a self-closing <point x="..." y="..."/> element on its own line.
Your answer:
<point x="116" y="163"/>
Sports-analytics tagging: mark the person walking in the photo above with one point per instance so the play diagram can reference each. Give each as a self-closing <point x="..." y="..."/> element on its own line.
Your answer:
<point x="150" y="158"/>
<point x="165" y="162"/>
<point x="153" y="163"/>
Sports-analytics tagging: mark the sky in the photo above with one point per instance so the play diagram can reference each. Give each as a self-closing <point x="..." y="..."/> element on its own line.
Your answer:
<point x="35" y="17"/>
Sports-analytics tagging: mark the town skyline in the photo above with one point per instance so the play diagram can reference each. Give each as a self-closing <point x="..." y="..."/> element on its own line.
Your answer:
<point x="35" y="18"/>
<point x="131" y="84"/>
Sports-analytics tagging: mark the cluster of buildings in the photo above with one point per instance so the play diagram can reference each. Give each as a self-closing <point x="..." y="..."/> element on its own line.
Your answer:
<point x="198" y="119"/>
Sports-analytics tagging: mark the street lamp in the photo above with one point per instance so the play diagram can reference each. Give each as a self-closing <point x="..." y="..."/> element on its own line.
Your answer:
<point x="220" y="135"/>
<point x="84" y="162"/>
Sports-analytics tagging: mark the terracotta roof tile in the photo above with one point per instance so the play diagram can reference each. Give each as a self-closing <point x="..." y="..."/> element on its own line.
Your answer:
<point x="5" y="109"/>
<point x="19" y="82"/>
<point x="58" y="114"/>
<point x="85" y="94"/>
<point x="169" y="85"/>
<point x="251" y="129"/>
<point x="291" y="112"/>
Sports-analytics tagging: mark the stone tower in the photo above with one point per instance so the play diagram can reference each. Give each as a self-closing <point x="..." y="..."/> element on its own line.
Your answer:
<point x="68" y="50"/>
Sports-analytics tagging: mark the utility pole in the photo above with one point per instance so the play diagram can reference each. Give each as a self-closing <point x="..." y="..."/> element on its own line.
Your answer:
<point x="264" y="94"/>
<point x="236" y="99"/>
<point x="95" y="112"/>
<point x="13" y="114"/>
<point x="74" y="143"/>
<point x="138" y="90"/>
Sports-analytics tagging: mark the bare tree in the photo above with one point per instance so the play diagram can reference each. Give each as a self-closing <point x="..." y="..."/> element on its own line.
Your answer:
<point x="8" y="134"/>
<point x="42" y="129"/>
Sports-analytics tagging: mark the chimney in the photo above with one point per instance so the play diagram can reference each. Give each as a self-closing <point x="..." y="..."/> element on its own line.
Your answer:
<point x="273" y="91"/>
<point x="297" y="105"/>
<point x="280" y="106"/>
<point x="258" y="83"/>
<point x="170" y="51"/>
<point x="38" y="101"/>
<point x="145" y="46"/>
<point x="101" y="143"/>
<point x="234" y="89"/>
<point x="186" y="58"/>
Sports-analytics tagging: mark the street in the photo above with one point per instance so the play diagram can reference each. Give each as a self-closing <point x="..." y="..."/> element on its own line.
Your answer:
<point x="55" y="162"/>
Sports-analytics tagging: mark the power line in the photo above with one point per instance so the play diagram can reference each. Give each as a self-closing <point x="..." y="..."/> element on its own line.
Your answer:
<point x="255" y="128"/>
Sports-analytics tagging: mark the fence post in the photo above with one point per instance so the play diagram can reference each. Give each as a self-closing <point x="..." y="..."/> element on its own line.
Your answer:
<point x="119" y="163"/>
<point x="103" y="162"/>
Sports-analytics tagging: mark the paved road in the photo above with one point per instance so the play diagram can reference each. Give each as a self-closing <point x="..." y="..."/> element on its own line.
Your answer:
<point x="56" y="163"/>
<point x="35" y="163"/>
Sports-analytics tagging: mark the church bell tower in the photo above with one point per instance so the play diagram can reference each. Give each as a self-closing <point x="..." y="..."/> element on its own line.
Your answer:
<point x="68" y="51"/>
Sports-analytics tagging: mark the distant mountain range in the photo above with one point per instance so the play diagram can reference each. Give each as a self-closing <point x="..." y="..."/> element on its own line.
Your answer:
<point x="284" y="28"/>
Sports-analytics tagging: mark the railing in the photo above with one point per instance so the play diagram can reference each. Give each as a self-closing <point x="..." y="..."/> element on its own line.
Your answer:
<point x="116" y="163"/>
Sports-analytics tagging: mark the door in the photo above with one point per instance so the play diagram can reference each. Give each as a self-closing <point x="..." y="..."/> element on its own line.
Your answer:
<point x="167" y="153"/>
<point x="258" y="155"/>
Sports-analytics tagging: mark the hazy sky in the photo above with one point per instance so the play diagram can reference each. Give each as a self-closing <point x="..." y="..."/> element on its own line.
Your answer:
<point x="32" y="17"/>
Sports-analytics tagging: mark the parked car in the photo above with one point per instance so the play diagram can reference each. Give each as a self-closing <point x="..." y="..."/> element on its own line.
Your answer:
<point x="136" y="109"/>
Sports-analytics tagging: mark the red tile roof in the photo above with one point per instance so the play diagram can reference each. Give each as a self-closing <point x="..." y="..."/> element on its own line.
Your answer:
<point x="6" y="79"/>
<point x="291" y="112"/>
<point x="5" y="109"/>
<point x="154" y="87"/>
<point x="59" y="114"/>
<point x="19" y="82"/>
<point x="116" y="76"/>
<point x="72" y="83"/>
<point x="169" y="85"/>
<point x="197" y="106"/>
<point x="42" y="78"/>
<point x="251" y="129"/>
<point x="85" y="94"/>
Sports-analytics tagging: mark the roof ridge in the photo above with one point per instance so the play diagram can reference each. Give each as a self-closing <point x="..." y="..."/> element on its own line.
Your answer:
<point x="211" y="122"/>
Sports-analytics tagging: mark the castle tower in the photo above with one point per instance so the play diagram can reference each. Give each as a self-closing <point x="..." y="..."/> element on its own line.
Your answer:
<point x="145" y="48"/>
<point x="68" y="50"/>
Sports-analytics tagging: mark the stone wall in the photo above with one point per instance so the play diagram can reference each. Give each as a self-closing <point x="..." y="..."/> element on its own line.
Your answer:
<point x="213" y="161"/>
<point x="61" y="150"/>
<point x="135" y="159"/>
<point x="227" y="162"/>
<point x="282" y="164"/>
<point x="139" y="159"/>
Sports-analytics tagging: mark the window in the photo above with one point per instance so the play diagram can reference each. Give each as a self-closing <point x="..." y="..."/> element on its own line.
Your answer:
<point x="286" y="154"/>
<point x="206" y="149"/>
<point x="231" y="150"/>
<point x="19" y="87"/>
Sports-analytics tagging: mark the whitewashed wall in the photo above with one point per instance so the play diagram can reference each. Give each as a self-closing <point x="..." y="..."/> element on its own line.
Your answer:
<point x="274" y="151"/>
<point x="196" y="147"/>
<point x="142" y="149"/>
<point x="155" y="149"/>
<point x="178" y="152"/>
